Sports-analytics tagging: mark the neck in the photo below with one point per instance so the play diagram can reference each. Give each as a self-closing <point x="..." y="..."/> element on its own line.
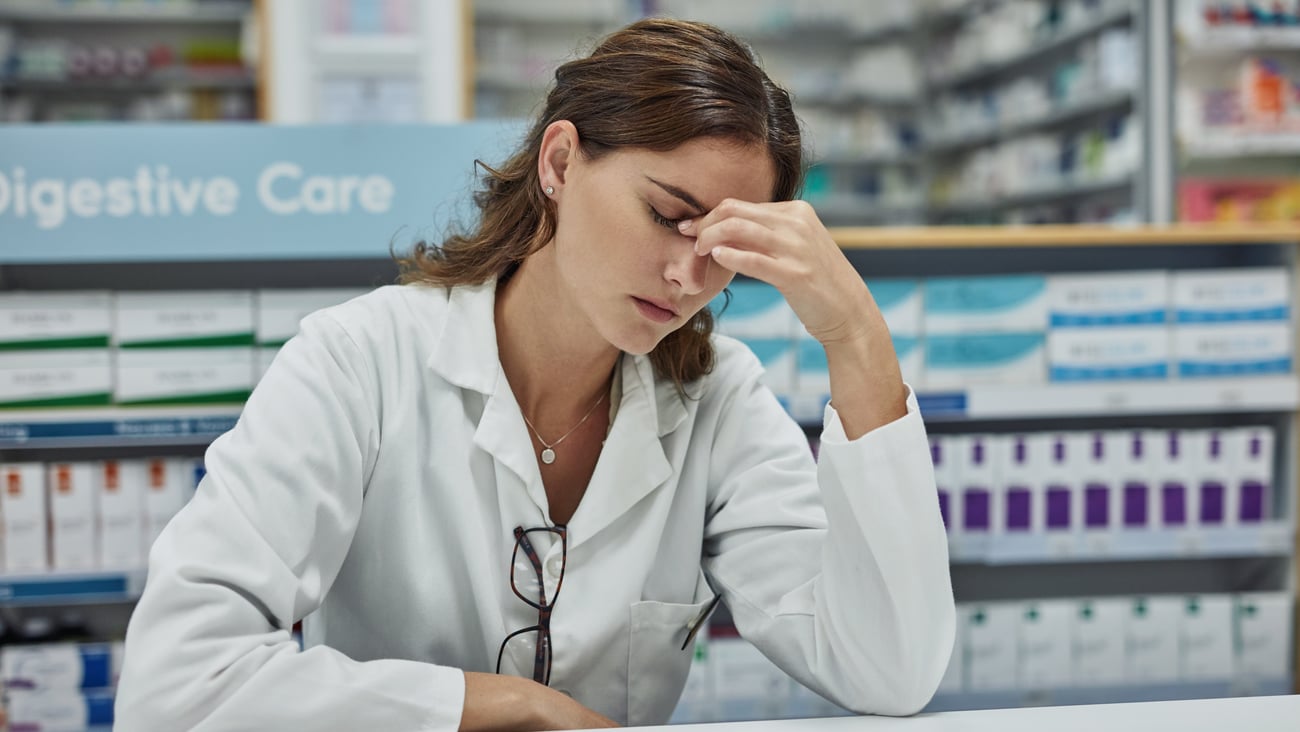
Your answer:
<point x="555" y="361"/>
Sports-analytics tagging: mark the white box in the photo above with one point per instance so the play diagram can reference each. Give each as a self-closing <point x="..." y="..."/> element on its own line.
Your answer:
<point x="944" y="453"/>
<point x="60" y="710"/>
<point x="1175" y="478"/>
<point x="1245" y="349"/>
<point x="748" y="685"/>
<point x="1212" y="466"/>
<point x="900" y="303"/>
<point x="1044" y="644"/>
<point x="57" y="377"/>
<point x="30" y="320"/>
<point x="1232" y="295"/>
<point x="120" y="491"/>
<point x="1061" y="487"/>
<point x="756" y="310"/>
<point x="780" y="364"/>
<point x="22" y="507"/>
<point x="1002" y="304"/>
<point x="183" y="375"/>
<point x="217" y="318"/>
<point x="61" y="666"/>
<point x="1133" y="454"/>
<point x="170" y="485"/>
<point x="1205" y="646"/>
<point x="1108" y="299"/>
<point x="1108" y="354"/>
<point x="991" y="632"/>
<point x="280" y="311"/>
<point x="1151" y="640"/>
<point x="1263" y="634"/>
<point x="955" y="361"/>
<point x="1019" y="466"/>
<point x="1098" y="498"/>
<point x="1251" y="452"/>
<point x="71" y="491"/>
<point x="1098" y="642"/>
<point x="980" y="489"/>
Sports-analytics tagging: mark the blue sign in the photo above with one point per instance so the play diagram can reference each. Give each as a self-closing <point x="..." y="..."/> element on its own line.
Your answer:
<point x="184" y="192"/>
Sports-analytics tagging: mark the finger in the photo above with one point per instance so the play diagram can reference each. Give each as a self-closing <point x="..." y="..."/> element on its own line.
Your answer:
<point x="771" y="215"/>
<point x="741" y="234"/>
<point x="751" y="264"/>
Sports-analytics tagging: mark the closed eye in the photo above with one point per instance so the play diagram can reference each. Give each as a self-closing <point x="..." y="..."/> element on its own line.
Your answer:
<point x="662" y="220"/>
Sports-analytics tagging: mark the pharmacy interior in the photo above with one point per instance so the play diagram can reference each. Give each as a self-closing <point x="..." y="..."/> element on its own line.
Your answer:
<point x="1080" y="219"/>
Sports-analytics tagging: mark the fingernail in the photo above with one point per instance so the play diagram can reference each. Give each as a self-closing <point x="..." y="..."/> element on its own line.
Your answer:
<point x="685" y="225"/>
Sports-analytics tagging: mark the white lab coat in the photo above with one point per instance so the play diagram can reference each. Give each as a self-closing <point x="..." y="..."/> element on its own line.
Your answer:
<point x="372" y="485"/>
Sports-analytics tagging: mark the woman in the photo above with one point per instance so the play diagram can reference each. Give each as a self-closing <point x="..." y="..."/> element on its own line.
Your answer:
<point x="504" y="495"/>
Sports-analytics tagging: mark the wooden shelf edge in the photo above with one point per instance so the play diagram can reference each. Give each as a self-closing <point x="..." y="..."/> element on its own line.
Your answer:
<point x="984" y="237"/>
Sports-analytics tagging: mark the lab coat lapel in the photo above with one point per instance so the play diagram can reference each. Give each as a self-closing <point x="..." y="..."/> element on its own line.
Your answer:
<point x="466" y="355"/>
<point x="632" y="463"/>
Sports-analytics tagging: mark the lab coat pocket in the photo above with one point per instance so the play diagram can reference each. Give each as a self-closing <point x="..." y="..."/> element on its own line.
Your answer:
<point x="657" y="664"/>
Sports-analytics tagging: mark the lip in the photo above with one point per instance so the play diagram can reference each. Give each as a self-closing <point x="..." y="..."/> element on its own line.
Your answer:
<point x="659" y="311"/>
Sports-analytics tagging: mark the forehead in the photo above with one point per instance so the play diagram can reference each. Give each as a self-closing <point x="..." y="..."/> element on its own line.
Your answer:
<point x="710" y="170"/>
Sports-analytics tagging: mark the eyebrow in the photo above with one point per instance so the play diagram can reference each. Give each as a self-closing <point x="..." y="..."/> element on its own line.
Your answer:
<point x="680" y="194"/>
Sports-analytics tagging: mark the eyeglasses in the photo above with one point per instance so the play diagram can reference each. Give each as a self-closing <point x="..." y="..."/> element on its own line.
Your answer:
<point x="529" y="585"/>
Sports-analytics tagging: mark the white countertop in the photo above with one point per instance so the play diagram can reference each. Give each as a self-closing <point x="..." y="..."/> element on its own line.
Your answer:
<point x="1237" y="714"/>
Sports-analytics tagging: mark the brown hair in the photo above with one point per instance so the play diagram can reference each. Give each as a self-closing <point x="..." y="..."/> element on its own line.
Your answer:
<point x="654" y="85"/>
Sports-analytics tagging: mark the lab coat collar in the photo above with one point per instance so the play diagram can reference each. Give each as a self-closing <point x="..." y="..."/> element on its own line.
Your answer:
<point x="632" y="463"/>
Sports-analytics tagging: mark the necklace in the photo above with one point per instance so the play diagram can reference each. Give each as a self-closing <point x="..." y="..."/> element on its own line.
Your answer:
<point x="548" y="453"/>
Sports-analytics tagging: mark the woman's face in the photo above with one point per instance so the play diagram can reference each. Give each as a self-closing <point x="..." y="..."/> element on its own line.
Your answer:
<point x="618" y="252"/>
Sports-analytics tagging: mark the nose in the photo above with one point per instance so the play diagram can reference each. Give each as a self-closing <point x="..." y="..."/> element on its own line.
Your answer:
<point x="686" y="269"/>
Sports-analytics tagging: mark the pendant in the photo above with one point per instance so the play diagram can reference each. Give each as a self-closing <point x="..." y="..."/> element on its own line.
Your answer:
<point x="548" y="456"/>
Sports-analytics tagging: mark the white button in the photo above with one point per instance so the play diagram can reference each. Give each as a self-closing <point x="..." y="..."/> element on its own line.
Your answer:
<point x="554" y="565"/>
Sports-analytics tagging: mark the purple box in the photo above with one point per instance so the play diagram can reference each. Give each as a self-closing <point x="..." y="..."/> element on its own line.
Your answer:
<point x="1058" y="508"/>
<point x="1135" y="504"/>
<point x="1096" y="506"/>
<point x="1212" y="495"/>
<point x="1019" y="508"/>
<point x="1173" y="500"/>
<point x="975" y="509"/>
<point x="1252" y="502"/>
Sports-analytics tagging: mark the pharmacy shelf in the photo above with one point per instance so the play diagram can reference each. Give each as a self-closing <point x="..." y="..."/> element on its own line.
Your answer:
<point x="852" y="99"/>
<point x="1093" y="399"/>
<point x="1110" y="694"/>
<point x="189" y="79"/>
<point x="45" y="11"/>
<point x="1245" y="145"/>
<point x="1072" y="235"/>
<point x="1242" y="40"/>
<point x="114" y="426"/>
<point x="1035" y="52"/>
<point x="1105" y="102"/>
<point x="1268" y="539"/>
<point x="849" y="208"/>
<point x="549" y="14"/>
<point x="370" y="47"/>
<point x="859" y="159"/>
<point x="825" y="32"/>
<point x="66" y="588"/>
<point x="1038" y="195"/>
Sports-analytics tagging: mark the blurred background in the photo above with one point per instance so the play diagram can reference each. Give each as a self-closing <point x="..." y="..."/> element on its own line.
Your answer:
<point x="1112" y="408"/>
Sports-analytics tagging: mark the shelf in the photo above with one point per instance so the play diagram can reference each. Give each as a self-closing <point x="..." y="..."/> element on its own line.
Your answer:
<point x="845" y="208"/>
<point x="1105" y="102"/>
<point x="1117" y="694"/>
<point x="395" y="47"/>
<point x="1040" y="195"/>
<point x="44" y="11"/>
<point x="1242" y="40"/>
<point x="1110" y="399"/>
<point x="1035" y="51"/>
<point x="1270" y="539"/>
<point x="822" y="33"/>
<point x="191" y="79"/>
<point x="114" y="426"/>
<point x="66" y="588"/>
<point x="1240" y="146"/>
<point x="1094" y="235"/>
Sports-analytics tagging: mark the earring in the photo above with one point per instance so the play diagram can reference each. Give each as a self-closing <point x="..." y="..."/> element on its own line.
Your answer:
<point x="550" y="190"/>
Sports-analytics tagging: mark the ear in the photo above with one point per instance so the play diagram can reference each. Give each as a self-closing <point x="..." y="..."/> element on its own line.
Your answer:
<point x="559" y="151"/>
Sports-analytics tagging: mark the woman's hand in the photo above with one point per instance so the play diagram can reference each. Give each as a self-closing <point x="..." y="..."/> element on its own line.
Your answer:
<point x="786" y="245"/>
<point x="496" y="703"/>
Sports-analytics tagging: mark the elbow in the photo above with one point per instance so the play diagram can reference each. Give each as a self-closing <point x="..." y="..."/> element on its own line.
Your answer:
<point x="921" y="659"/>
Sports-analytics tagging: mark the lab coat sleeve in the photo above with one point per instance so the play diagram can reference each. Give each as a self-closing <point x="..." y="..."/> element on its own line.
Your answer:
<point x="209" y="646"/>
<point x="840" y="576"/>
